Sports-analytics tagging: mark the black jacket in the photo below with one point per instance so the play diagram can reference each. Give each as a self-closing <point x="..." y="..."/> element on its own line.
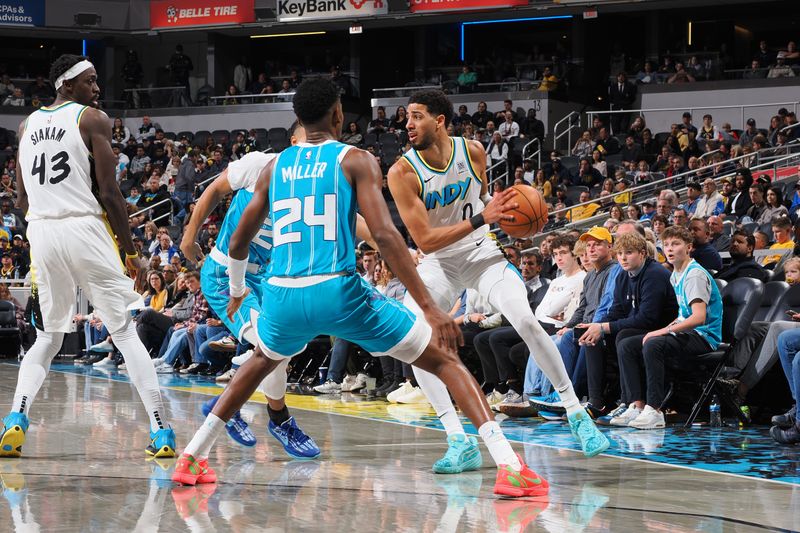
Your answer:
<point x="745" y="267"/>
<point x="646" y="301"/>
<point x="621" y="99"/>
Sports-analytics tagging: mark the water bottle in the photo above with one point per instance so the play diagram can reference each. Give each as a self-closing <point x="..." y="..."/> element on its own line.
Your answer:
<point x="714" y="415"/>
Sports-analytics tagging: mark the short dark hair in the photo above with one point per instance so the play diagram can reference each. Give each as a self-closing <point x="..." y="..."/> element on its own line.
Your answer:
<point x="192" y="274"/>
<point x="563" y="239"/>
<point x="63" y="64"/>
<point x="751" y="241"/>
<point x="758" y="187"/>
<point x="313" y="99"/>
<point x="661" y="218"/>
<point x="436" y="101"/>
<point x="536" y="254"/>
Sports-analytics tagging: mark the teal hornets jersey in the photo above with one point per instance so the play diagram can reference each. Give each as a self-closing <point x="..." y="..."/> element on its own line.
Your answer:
<point x="242" y="176"/>
<point x="711" y="330"/>
<point x="313" y="211"/>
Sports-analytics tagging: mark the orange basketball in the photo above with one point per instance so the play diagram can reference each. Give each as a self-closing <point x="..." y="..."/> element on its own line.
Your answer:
<point x="531" y="215"/>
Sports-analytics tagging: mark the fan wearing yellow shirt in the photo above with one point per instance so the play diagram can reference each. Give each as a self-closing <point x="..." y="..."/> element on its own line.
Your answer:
<point x="782" y="232"/>
<point x="582" y="212"/>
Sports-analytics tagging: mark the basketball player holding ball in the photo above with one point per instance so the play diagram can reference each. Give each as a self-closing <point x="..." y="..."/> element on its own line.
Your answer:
<point x="440" y="189"/>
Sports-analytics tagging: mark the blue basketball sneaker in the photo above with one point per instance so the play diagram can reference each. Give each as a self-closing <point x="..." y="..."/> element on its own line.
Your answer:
<point x="463" y="454"/>
<point x="15" y="425"/>
<point x="296" y="443"/>
<point x="236" y="427"/>
<point x="162" y="443"/>
<point x="592" y="439"/>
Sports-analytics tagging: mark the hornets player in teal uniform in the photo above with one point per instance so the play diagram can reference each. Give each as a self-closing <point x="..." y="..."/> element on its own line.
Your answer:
<point x="240" y="178"/>
<point x="312" y="191"/>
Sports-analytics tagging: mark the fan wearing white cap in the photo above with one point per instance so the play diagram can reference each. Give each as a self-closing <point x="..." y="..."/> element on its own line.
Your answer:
<point x="67" y="188"/>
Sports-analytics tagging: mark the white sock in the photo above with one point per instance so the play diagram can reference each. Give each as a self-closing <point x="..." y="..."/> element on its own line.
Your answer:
<point x="436" y="393"/>
<point x="142" y="373"/>
<point x="34" y="368"/>
<point x="499" y="447"/>
<point x="202" y="442"/>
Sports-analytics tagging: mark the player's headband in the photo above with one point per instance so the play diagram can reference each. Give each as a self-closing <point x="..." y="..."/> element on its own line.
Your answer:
<point x="73" y="72"/>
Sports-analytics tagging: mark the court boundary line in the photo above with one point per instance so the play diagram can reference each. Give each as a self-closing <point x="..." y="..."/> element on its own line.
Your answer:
<point x="411" y="425"/>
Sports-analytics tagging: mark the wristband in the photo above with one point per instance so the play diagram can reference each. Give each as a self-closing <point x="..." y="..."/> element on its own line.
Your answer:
<point x="131" y="256"/>
<point x="466" y="318"/>
<point x="486" y="198"/>
<point x="236" y="272"/>
<point x="477" y="221"/>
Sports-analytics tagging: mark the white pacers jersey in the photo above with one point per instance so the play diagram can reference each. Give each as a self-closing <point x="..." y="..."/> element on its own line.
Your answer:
<point x="57" y="167"/>
<point x="451" y="194"/>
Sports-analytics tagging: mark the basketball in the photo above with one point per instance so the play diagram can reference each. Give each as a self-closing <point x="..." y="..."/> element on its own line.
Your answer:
<point x="529" y="217"/>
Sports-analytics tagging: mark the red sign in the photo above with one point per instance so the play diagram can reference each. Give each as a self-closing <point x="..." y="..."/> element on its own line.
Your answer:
<point x="462" y="5"/>
<point x="182" y="13"/>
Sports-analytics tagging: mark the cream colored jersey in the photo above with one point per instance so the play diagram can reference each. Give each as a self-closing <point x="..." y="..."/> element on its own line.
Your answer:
<point x="451" y="195"/>
<point x="57" y="167"/>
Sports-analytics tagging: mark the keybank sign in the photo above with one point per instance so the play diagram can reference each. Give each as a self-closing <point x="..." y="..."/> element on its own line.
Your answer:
<point x="292" y="10"/>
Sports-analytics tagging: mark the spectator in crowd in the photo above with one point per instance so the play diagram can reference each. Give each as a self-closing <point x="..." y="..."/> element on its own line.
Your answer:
<point x="631" y="153"/>
<point x="400" y="120"/>
<point x="16" y="98"/>
<point x="782" y="232"/>
<point x="584" y="146"/>
<point x="509" y="128"/>
<point x="585" y="208"/>
<point x="786" y="428"/>
<point x="286" y="89"/>
<point x="647" y="75"/>
<point x="719" y="240"/>
<point x="156" y="198"/>
<point x="146" y="131"/>
<point x="637" y="128"/>
<point x="681" y="75"/>
<point x="542" y="184"/>
<point x="757" y="204"/>
<point x="481" y="117"/>
<point x="132" y="74"/>
<point x="467" y="79"/>
<point x="242" y="75"/>
<point x="557" y="174"/>
<point x="749" y="132"/>
<point x="497" y="150"/>
<point x="508" y="107"/>
<point x="742" y="263"/>
<point x="774" y="206"/>
<point x="230" y="93"/>
<point x="119" y="132"/>
<point x="462" y="118"/>
<point x="599" y="163"/>
<point x="549" y="80"/>
<point x="643" y="300"/>
<point x="180" y="66"/>
<point x="608" y="144"/>
<point x="754" y="72"/>
<point x="353" y="135"/>
<point x="648" y="209"/>
<point x="166" y="249"/>
<point x="702" y="251"/>
<point x="157" y="294"/>
<point x="8" y="270"/>
<point x="586" y="174"/>
<point x="740" y="202"/>
<point x="697" y="330"/>
<point x="532" y="127"/>
<point x="139" y="161"/>
<point x="693" y="189"/>
<point x="780" y="69"/>
<point x="41" y="90"/>
<point x="19" y="310"/>
<point x="260" y="84"/>
<point x="764" y="55"/>
<point x="711" y="202"/>
<point x="633" y="212"/>
<point x="10" y="219"/>
<point x="621" y="95"/>
<point x="380" y="124"/>
<point x="134" y="196"/>
<point x="6" y="86"/>
<point x="775" y="125"/>
<point x="680" y="217"/>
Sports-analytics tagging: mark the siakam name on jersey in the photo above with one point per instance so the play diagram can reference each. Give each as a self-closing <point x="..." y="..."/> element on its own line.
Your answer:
<point x="47" y="134"/>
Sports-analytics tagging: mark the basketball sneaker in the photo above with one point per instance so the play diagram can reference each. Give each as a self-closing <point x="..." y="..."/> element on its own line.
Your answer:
<point x="296" y="443"/>
<point x="605" y="420"/>
<point x="399" y="392"/>
<point x="162" y="443"/>
<point x="15" y="425"/>
<point x="526" y="482"/>
<point x="236" y="427"/>
<point x="415" y="396"/>
<point x="463" y="454"/>
<point x="329" y="387"/>
<point x="591" y="439"/>
<point x="190" y="471"/>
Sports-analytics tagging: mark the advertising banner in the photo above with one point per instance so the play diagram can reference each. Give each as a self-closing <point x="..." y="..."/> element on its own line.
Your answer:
<point x="299" y="10"/>
<point x="182" y="13"/>
<point x="419" y="6"/>
<point x="22" y="12"/>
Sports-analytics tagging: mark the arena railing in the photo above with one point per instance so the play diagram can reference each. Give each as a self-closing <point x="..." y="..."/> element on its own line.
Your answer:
<point x="570" y="125"/>
<point x="691" y="109"/>
<point x="537" y="153"/>
<point x="378" y="93"/>
<point x="648" y="190"/>
<point x="262" y="98"/>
